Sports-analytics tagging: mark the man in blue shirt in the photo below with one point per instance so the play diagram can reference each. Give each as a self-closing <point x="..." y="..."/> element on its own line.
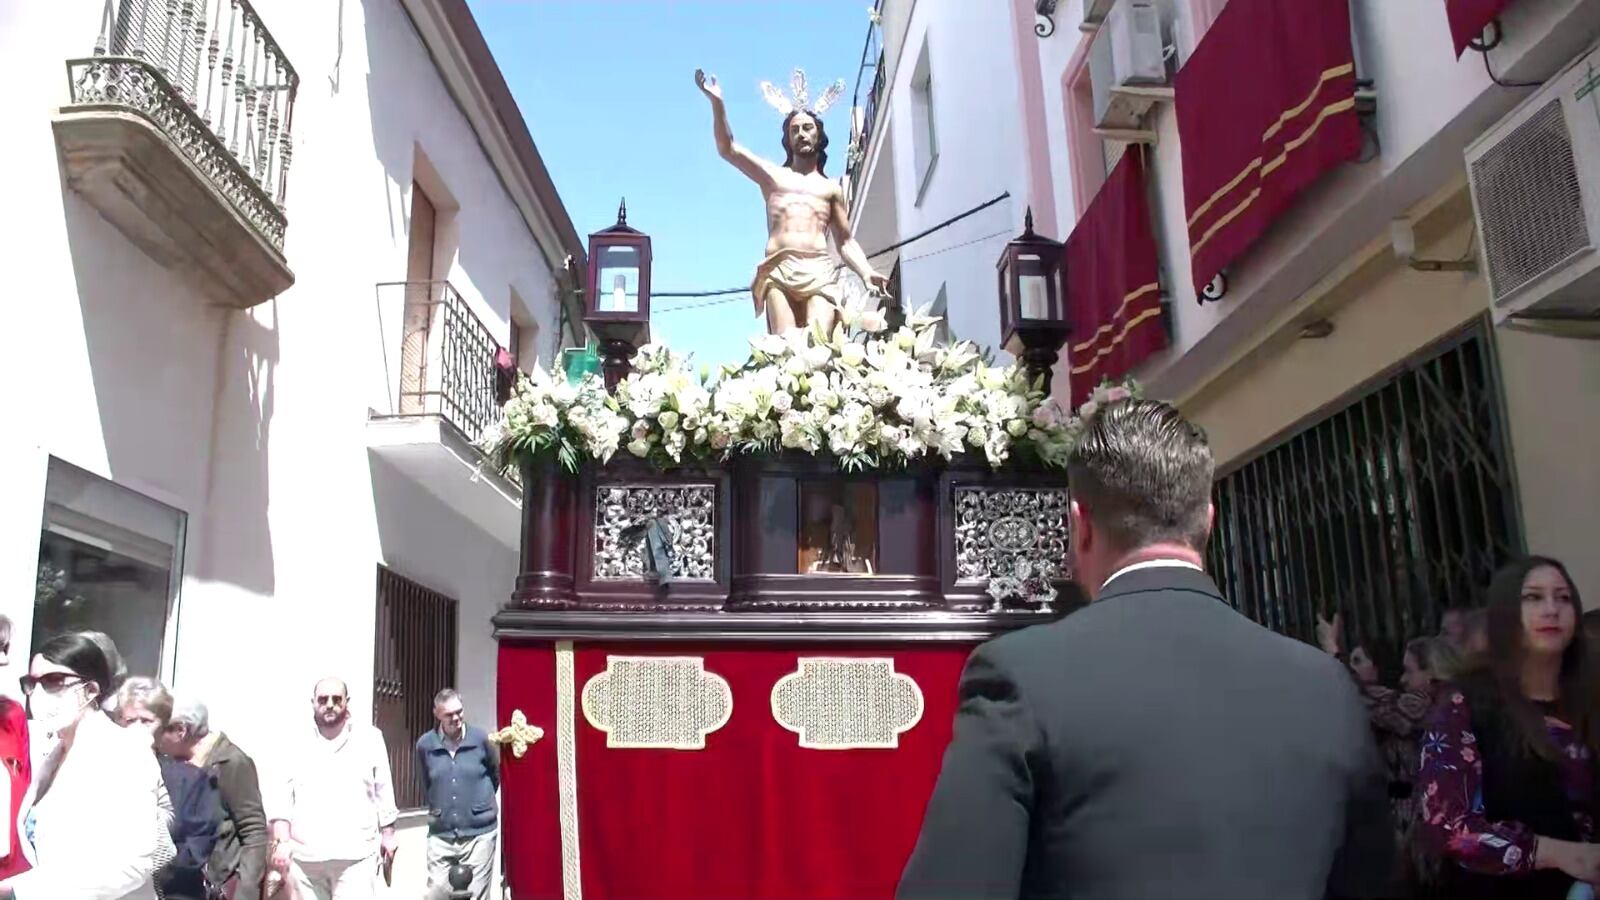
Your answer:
<point x="460" y="773"/>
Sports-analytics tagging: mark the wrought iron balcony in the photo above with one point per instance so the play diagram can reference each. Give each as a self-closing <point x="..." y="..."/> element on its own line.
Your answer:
<point x="872" y="66"/>
<point x="204" y="83"/>
<point x="441" y="384"/>
<point x="446" y="356"/>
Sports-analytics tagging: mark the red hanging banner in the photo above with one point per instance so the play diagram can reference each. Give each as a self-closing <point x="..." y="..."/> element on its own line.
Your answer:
<point x="1468" y="19"/>
<point x="1113" y="296"/>
<point x="1265" y="106"/>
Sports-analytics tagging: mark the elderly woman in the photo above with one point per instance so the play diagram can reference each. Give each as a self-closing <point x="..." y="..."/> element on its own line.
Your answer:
<point x="143" y="704"/>
<point x="239" y="859"/>
<point x="93" y="806"/>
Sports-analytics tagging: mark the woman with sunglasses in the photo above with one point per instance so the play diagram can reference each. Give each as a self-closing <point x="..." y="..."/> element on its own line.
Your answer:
<point x="1507" y="781"/>
<point x="90" y="827"/>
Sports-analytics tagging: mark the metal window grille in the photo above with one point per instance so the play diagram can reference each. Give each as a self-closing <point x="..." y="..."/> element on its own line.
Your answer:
<point x="1390" y="509"/>
<point x="415" y="658"/>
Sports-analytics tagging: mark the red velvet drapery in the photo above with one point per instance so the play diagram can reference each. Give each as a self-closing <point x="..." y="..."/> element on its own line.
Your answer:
<point x="1468" y="19"/>
<point x="753" y="814"/>
<point x="1265" y="106"/>
<point x="1113" y="296"/>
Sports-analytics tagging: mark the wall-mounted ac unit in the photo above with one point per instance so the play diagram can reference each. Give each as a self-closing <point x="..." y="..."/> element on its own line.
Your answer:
<point x="1535" y="180"/>
<point x="1094" y="12"/>
<point x="1126" y="62"/>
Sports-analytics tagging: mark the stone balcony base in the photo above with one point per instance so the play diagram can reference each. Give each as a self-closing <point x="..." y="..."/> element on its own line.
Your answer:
<point x="133" y="173"/>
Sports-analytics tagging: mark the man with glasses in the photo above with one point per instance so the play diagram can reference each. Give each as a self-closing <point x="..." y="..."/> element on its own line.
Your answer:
<point x="333" y="822"/>
<point x="460" y="771"/>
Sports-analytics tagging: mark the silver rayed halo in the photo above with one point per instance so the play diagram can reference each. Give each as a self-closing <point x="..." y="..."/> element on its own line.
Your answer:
<point x="799" y="95"/>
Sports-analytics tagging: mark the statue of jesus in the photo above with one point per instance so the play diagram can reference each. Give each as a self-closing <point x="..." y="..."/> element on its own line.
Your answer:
<point x="797" y="284"/>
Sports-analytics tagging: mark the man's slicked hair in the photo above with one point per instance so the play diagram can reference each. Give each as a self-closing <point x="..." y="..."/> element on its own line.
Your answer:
<point x="1143" y="475"/>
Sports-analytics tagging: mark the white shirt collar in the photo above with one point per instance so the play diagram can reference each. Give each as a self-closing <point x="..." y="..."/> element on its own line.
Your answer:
<point x="1151" y="564"/>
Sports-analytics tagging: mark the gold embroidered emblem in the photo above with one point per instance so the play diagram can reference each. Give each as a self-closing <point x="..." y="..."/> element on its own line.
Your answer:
<point x="519" y="734"/>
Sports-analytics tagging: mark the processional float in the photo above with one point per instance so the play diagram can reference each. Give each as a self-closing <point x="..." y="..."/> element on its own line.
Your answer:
<point x="729" y="666"/>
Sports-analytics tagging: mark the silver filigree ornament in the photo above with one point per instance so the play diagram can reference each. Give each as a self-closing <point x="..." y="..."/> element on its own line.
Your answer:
<point x="688" y="511"/>
<point x="1014" y="540"/>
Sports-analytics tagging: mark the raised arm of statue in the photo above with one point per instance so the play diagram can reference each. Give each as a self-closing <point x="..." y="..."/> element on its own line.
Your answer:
<point x="753" y="166"/>
<point x="849" y="249"/>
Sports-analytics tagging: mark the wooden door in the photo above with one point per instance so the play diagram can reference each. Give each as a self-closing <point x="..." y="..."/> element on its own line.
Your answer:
<point x="421" y="296"/>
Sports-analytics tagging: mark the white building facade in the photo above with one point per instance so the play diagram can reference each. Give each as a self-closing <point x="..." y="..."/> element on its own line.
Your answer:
<point x="1356" y="338"/>
<point x="945" y="98"/>
<point x="272" y="252"/>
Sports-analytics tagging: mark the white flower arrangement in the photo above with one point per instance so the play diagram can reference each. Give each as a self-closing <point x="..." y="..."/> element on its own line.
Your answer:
<point x="867" y="398"/>
<point x="547" y="413"/>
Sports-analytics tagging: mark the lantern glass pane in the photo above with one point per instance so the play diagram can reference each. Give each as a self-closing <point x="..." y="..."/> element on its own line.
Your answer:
<point x="617" y="281"/>
<point x="1033" y="287"/>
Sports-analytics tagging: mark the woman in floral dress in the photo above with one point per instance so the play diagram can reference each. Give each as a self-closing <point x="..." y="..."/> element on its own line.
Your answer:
<point x="1397" y="716"/>
<point x="1506" y="780"/>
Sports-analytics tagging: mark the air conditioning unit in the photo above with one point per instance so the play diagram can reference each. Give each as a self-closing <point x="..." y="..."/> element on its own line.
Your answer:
<point x="1094" y="12"/>
<point x="1126" y="62"/>
<point x="1535" y="181"/>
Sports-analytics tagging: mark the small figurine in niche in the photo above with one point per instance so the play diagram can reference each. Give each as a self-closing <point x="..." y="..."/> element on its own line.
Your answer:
<point x="841" y="557"/>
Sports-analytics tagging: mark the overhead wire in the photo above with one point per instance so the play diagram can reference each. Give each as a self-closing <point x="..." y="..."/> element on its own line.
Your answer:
<point x="729" y="295"/>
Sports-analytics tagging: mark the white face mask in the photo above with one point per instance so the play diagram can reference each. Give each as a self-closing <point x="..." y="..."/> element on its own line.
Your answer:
<point x="50" y="714"/>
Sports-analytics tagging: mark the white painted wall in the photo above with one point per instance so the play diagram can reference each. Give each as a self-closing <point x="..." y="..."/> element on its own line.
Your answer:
<point x="253" y="423"/>
<point x="982" y="153"/>
<point x="1552" y="387"/>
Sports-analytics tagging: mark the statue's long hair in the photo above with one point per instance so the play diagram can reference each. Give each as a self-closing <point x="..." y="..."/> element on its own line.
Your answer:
<point x="822" y="141"/>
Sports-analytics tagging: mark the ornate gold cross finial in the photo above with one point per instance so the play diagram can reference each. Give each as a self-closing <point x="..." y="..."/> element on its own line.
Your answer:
<point x="519" y="734"/>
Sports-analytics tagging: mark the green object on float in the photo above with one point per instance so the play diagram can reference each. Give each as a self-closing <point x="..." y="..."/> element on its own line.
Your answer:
<point x="580" y="361"/>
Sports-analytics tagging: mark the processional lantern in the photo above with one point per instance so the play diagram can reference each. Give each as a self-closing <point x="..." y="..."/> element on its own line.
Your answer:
<point x="1033" y="307"/>
<point x="617" y="302"/>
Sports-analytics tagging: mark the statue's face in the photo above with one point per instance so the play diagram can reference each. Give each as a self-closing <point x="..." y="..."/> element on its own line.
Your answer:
<point x="803" y="134"/>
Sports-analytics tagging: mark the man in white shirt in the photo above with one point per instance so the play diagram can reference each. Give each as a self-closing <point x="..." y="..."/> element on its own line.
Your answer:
<point x="333" y="822"/>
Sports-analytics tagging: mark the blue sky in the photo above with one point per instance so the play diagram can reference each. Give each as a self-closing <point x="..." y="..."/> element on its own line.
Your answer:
<point x="608" y="91"/>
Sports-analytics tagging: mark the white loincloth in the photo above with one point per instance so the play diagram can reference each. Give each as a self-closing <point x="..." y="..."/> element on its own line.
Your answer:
<point x="800" y="275"/>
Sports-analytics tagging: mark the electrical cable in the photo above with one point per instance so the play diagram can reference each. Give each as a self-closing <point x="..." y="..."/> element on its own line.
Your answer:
<point x="698" y="293"/>
<point x="1508" y="84"/>
<point x="1490" y="39"/>
<point x="719" y="302"/>
<point x="1005" y="195"/>
<point x="915" y="237"/>
<point x="975" y="240"/>
<point x="700" y="305"/>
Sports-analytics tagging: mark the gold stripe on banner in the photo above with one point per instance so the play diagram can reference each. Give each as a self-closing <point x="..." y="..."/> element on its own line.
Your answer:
<point x="1327" y="76"/>
<point x="1150" y="313"/>
<point x="1111" y="322"/>
<point x="1274" y="128"/>
<point x="1337" y="106"/>
<point x="567" y="771"/>
<point x="1340" y="106"/>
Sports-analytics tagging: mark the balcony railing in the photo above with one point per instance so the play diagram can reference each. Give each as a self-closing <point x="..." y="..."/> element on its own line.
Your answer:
<point x="210" y="76"/>
<point x="870" y="73"/>
<point x="447" y="356"/>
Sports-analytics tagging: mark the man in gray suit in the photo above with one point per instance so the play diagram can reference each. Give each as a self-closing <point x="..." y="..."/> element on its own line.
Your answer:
<point x="1155" y="744"/>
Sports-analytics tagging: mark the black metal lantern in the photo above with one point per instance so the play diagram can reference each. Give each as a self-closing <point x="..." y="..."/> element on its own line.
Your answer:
<point x="1033" y="306"/>
<point x="617" y="305"/>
